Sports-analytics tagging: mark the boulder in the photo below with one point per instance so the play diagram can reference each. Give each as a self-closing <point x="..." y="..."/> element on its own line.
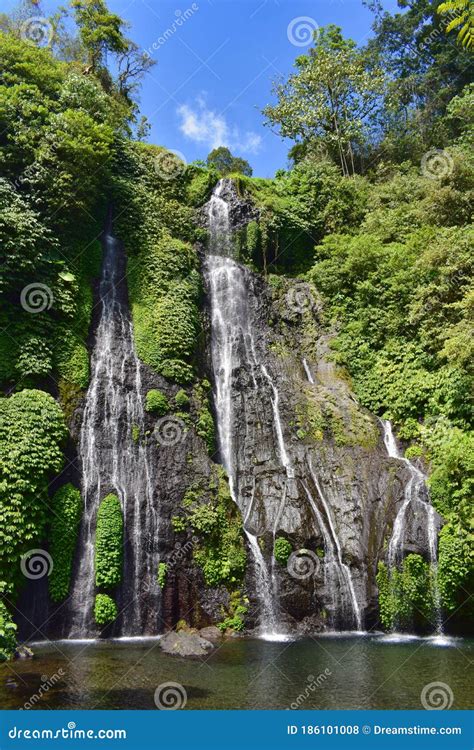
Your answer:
<point x="185" y="644"/>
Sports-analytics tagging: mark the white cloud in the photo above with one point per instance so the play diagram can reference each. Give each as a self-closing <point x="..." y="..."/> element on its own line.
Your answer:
<point x="202" y="125"/>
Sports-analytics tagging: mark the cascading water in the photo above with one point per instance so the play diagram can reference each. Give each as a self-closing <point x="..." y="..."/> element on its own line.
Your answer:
<point x="113" y="461"/>
<point x="415" y="493"/>
<point x="308" y="371"/>
<point x="348" y="605"/>
<point x="233" y="347"/>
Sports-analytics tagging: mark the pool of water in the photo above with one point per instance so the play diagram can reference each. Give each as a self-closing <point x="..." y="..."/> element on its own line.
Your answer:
<point x="326" y="672"/>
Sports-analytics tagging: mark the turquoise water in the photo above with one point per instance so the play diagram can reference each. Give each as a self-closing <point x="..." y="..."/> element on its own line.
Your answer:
<point x="327" y="672"/>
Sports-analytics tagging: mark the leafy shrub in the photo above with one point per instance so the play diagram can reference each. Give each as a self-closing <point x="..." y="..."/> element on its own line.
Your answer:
<point x="204" y="424"/>
<point x="67" y="510"/>
<point x="406" y="596"/>
<point x="7" y="633"/>
<point x="282" y="550"/>
<point x="109" y="543"/>
<point x="32" y="434"/>
<point x="182" y="399"/>
<point x="105" y="609"/>
<point x="161" y="575"/>
<point x="156" y="403"/>
<point x="213" y="516"/>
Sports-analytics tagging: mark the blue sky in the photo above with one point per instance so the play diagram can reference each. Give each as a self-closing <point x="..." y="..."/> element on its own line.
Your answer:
<point x="215" y="69"/>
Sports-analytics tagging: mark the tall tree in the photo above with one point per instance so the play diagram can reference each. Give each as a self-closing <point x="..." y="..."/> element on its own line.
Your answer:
<point x="222" y="159"/>
<point x="328" y="101"/>
<point x="100" y="31"/>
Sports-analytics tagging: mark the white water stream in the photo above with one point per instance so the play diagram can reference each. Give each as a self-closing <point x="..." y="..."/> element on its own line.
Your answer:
<point x="111" y="460"/>
<point x="232" y="347"/>
<point x="415" y="493"/>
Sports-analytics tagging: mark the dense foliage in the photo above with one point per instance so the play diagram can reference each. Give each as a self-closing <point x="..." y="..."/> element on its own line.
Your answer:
<point x="211" y="514"/>
<point x="109" y="543"/>
<point x="105" y="609"/>
<point x="375" y="212"/>
<point x="32" y="435"/>
<point x="67" y="510"/>
<point x="406" y="596"/>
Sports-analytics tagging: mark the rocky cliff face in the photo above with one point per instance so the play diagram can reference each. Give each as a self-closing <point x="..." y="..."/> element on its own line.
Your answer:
<point x="310" y="467"/>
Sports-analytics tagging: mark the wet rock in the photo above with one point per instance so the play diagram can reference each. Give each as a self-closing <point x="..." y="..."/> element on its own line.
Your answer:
<point x="23" y="652"/>
<point x="211" y="633"/>
<point x="185" y="643"/>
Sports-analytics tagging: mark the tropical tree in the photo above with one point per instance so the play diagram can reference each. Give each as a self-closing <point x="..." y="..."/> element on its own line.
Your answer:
<point x="100" y="31"/>
<point x="328" y="101"/>
<point x="224" y="162"/>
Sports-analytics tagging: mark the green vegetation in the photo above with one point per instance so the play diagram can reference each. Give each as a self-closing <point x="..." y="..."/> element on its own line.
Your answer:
<point x="182" y="399"/>
<point x="109" y="543"/>
<point x="7" y="633"/>
<point x="32" y="434"/>
<point x="406" y="596"/>
<point x="374" y="213"/>
<point x="105" y="609"/>
<point x="161" y="574"/>
<point x="204" y="423"/>
<point x="282" y="550"/>
<point x="156" y="403"/>
<point x="224" y="163"/>
<point x="234" y="617"/>
<point x="213" y="517"/>
<point x="67" y="508"/>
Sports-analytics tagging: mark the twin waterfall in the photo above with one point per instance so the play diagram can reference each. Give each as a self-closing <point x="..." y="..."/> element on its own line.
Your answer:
<point x="112" y="461"/>
<point x="115" y="457"/>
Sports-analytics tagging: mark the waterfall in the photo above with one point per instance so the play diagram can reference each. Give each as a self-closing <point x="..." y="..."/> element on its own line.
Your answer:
<point x="308" y="371"/>
<point x="233" y="347"/>
<point x="415" y="492"/>
<point x="113" y="460"/>
<point x="333" y="556"/>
